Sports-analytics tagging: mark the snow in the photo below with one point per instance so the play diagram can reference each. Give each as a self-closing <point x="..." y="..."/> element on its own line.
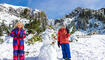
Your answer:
<point x="7" y="17"/>
<point x="36" y="11"/>
<point x="89" y="48"/>
<point x="68" y="21"/>
<point x="15" y="7"/>
<point x="6" y="50"/>
<point x="51" y="22"/>
<point x="84" y="49"/>
<point x="33" y="49"/>
<point x="99" y="28"/>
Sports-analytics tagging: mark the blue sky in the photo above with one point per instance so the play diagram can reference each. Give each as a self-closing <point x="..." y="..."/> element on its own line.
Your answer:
<point x="57" y="8"/>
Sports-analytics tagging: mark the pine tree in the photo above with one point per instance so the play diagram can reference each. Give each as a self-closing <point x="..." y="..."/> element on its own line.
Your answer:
<point x="73" y="30"/>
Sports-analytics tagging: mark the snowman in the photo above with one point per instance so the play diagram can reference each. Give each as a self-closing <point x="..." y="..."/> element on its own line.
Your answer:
<point x="48" y="49"/>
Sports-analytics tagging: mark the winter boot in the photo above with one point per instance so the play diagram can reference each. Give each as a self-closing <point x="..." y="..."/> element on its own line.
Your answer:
<point x="68" y="59"/>
<point x="65" y="59"/>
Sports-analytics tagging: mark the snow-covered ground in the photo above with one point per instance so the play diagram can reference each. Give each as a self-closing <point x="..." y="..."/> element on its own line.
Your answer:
<point x="89" y="48"/>
<point x="6" y="51"/>
<point x="92" y="48"/>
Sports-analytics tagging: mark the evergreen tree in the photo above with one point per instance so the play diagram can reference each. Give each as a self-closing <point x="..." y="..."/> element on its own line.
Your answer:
<point x="73" y="30"/>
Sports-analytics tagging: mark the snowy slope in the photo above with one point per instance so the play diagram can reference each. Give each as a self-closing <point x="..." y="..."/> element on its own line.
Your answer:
<point x="99" y="28"/>
<point x="9" y="16"/>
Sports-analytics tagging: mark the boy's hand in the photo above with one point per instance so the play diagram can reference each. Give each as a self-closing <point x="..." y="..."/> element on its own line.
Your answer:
<point x="58" y="44"/>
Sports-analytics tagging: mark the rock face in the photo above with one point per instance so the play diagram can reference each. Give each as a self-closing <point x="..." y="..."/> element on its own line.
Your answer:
<point x="84" y="18"/>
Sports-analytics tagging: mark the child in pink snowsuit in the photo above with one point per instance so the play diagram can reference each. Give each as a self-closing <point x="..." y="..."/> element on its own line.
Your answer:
<point x="18" y="34"/>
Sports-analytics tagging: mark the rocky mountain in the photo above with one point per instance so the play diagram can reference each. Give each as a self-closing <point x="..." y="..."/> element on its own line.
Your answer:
<point x="10" y="14"/>
<point x="85" y="19"/>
